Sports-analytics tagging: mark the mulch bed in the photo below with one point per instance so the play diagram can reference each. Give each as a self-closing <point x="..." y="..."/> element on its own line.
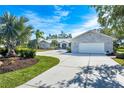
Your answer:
<point x="14" y="63"/>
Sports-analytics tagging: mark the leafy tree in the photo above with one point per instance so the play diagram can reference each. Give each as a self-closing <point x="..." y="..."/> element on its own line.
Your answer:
<point x="54" y="44"/>
<point x="111" y="19"/>
<point x="111" y="16"/>
<point x="70" y="36"/>
<point x="106" y="31"/>
<point x="13" y="30"/>
<point x="32" y="44"/>
<point x="61" y="35"/>
<point x="38" y="35"/>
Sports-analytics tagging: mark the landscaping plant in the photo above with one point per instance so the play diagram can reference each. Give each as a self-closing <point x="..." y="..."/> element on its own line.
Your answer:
<point x="26" y="52"/>
<point x="39" y="34"/>
<point x="68" y="50"/>
<point x="54" y="44"/>
<point x="13" y="31"/>
<point x="120" y="53"/>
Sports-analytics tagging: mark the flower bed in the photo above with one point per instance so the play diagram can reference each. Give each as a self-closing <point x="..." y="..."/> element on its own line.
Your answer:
<point x="14" y="63"/>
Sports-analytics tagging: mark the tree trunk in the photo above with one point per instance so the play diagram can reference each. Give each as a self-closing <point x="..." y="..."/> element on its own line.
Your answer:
<point x="11" y="51"/>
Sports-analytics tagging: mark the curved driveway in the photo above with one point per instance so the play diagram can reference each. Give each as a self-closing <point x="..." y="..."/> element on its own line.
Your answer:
<point x="79" y="70"/>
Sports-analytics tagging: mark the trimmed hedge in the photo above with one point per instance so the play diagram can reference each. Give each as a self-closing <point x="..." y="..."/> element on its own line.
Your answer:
<point x="3" y="51"/>
<point x="22" y="52"/>
<point x="26" y="52"/>
<point x="121" y="47"/>
<point x="120" y="55"/>
<point x="120" y="50"/>
<point x="68" y="50"/>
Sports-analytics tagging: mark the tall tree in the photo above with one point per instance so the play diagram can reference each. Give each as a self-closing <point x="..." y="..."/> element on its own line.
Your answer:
<point x="61" y="35"/>
<point x="12" y="30"/>
<point x="39" y="34"/>
<point x="54" y="44"/>
<point x="70" y="36"/>
<point x="111" y="17"/>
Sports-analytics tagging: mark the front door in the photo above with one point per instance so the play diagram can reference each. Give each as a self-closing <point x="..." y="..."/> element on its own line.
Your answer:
<point x="64" y="46"/>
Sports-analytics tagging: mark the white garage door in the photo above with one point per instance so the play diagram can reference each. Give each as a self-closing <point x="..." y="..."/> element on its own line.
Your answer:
<point x="91" y="48"/>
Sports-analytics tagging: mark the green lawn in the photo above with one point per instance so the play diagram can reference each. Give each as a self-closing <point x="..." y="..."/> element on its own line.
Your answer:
<point x="120" y="61"/>
<point x="16" y="78"/>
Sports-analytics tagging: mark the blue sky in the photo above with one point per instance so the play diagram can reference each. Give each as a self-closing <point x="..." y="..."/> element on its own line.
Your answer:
<point x="53" y="19"/>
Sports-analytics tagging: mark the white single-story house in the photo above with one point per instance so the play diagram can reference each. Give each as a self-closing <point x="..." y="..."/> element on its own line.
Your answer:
<point x="44" y="44"/>
<point x="88" y="42"/>
<point x="92" y="42"/>
<point x="62" y="43"/>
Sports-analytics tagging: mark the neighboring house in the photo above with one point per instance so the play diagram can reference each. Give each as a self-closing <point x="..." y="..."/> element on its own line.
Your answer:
<point x="62" y="43"/>
<point x="44" y="44"/>
<point x="92" y="42"/>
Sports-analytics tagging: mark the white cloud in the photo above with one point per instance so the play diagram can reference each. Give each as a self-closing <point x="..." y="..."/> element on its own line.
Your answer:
<point x="77" y="31"/>
<point x="90" y="24"/>
<point x="48" y="25"/>
<point x="60" y="12"/>
<point x="57" y="7"/>
<point x="64" y="13"/>
<point x="53" y="25"/>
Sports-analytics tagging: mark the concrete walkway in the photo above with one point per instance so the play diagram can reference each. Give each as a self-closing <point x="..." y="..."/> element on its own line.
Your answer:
<point x="79" y="70"/>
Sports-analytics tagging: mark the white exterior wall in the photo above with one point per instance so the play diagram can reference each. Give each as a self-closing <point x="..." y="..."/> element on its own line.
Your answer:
<point x="67" y="44"/>
<point x="44" y="45"/>
<point x="92" y="37"/>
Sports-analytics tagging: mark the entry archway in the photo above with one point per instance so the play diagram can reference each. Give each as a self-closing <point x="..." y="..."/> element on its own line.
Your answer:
<point x="64" y="46"/>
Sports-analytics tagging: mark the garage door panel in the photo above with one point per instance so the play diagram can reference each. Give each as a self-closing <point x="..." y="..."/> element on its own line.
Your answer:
<point x="91" y="48"/>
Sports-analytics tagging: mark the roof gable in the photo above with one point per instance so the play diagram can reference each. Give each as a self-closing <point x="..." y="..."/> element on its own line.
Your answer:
<point x="93" y="31"/>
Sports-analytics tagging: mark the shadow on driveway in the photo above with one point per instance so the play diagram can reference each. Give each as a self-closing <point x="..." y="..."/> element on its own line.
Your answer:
<point x="103" y="76"/>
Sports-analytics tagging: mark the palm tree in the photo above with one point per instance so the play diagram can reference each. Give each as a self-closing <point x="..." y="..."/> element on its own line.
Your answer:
<point x="38" y="34"/>
<point x="13" y="30"/>
<point x="54" y="44"/>
<point x="25" y="31"/>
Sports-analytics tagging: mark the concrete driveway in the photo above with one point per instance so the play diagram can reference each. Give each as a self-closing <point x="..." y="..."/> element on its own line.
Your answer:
<point x="79" y="70"/>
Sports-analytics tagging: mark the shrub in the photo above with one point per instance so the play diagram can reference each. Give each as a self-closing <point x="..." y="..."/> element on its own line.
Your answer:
<point x="68" y="50"/>
<point x="26" y="52"/>
<point x="120" y="55"/>
<point x="3" y="51"/>
<point x="121" y="47"/>
<point x="120" y="50"/>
